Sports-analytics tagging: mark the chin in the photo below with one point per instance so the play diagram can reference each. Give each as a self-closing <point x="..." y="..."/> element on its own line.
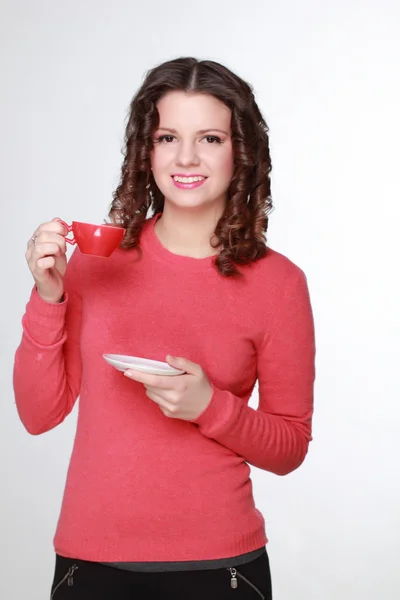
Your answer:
<point x="191" y="198"/>
<point x="191" y="203"/>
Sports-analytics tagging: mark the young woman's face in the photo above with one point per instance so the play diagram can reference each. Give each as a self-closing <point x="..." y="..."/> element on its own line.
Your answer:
<point x="192" y="158"/>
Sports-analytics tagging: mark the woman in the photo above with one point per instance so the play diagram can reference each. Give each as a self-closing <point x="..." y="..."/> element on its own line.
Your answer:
<point x="158" y="501"/>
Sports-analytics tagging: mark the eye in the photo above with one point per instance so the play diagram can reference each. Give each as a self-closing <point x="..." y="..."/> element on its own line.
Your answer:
<point x="213" y="139"/>
<point x="165" y="138"/>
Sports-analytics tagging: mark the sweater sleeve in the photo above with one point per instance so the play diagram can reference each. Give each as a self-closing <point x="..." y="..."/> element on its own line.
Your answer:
<point x="275" y="437"/>
<point x="47" y="365"/>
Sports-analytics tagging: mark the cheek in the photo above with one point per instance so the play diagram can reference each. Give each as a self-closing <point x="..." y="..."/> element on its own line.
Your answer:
<point x="226" y="165"/>
<point x="160" y="164"/>
<point x="162" y="157"/>
<point x="156" y="161"/>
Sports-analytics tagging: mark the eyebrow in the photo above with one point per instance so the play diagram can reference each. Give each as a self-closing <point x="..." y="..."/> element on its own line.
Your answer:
<point x="201" y="131"/>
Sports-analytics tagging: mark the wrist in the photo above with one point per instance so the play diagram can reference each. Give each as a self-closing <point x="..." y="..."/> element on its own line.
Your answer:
<point x="50" y="300"/>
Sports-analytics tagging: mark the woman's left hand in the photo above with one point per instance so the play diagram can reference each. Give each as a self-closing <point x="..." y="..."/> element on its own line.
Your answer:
<point x="179" y="397"/>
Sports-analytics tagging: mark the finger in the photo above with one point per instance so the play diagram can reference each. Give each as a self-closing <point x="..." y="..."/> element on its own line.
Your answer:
<point x="167" y="395"/>
<point x="139" y="376"/>
<point x="36" y="255"/>
<point x="183" y="364"/>
<point x="48" y="262"/>
<point x="40" y="271"/>
<point x="44" y="236"/>
<point x="54" y="226"/>
<point x="32" y="241"/>
<point x="167" y="408"/>
<point x="156" y="381"/>
<point x="155" y="397"/>
<point x="46" y="249"/>
<point x="59" y="221"/>
<point x="28" y="252"/>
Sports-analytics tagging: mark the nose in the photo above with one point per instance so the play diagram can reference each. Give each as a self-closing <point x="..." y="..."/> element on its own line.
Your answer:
<point x="187" y="154"/>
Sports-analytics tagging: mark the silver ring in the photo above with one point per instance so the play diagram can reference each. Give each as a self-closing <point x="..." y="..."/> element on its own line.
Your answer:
<point x="33" y="238"/>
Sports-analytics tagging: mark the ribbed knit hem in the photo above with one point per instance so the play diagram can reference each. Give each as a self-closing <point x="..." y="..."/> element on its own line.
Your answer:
<point x="219" y="413"/>
<point x="158" y="550"/>
<point x="44" y="321"/>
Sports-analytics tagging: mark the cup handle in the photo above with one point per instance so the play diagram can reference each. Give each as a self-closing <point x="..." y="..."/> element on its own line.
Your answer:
<point x="68" y="228"/>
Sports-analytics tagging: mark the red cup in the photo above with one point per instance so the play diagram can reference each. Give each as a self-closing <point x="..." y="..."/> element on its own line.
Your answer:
<point x="98" y="240"/>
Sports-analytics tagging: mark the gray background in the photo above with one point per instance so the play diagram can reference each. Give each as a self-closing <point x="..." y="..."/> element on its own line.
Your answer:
<point x="326" y="78"/>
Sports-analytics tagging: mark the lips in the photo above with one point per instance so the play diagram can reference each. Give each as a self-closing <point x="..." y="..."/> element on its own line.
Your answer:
<point x="187" y="177"/>
<point x="188" y="181"/>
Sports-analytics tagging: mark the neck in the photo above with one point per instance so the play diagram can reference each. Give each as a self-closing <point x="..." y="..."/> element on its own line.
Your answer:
<point x="188" y="232"/>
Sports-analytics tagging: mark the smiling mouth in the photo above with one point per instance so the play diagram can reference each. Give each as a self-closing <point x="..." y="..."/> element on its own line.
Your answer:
<point x="190" y="179"/>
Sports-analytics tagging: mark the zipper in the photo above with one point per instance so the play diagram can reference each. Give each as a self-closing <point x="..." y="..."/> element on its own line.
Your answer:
<point x="69" y="576"/>
<point x="234" y="582"/>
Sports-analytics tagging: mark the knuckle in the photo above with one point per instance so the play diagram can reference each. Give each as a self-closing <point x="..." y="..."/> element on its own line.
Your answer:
<point x="50" y="247"/>
<point x="58" y="228"/>
<point x="50" y="228"/>
<point x="45" y="238"/>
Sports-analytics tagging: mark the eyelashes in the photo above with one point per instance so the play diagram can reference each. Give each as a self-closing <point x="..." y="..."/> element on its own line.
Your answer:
<point x="164" y="138"/>
<point x="168" y="139"/>
<point x="213" y="138"/>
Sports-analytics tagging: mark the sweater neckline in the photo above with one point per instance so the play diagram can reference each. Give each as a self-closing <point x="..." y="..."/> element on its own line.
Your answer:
<point x="156" y="248"/>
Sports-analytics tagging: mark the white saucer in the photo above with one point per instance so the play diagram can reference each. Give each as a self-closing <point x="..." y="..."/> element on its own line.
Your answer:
<point x="122" y="363"/>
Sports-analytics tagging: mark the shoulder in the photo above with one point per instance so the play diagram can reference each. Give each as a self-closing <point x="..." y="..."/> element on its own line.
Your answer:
<point x="280" y="292"/>
<point x="275" y="270"/>
<point x="274" y="283"/>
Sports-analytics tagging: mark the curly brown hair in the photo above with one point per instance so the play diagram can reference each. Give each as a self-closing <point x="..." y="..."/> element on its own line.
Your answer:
<point x="241" y="230"/>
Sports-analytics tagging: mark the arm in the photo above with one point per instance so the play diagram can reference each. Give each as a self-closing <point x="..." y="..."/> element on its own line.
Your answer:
<point x="275" y="437"/>
<point x="47" y="366"/>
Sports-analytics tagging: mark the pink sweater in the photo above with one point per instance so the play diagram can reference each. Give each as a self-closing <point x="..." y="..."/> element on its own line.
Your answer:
<point x="142" y="486"/>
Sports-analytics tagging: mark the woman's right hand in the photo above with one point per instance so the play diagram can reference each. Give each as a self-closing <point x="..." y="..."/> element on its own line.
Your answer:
<point x="47" y="261"/>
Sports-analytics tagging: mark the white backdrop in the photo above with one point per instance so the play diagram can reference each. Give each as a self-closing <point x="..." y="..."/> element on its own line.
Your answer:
<point x="326" y="77"/>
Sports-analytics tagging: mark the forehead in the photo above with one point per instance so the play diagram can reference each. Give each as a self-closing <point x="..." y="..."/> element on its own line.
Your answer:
<point x="192" y="110"/>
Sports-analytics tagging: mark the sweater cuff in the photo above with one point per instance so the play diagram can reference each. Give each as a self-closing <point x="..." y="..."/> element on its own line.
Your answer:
<point x="44" y="321"/>
<point x="220" y="415"/>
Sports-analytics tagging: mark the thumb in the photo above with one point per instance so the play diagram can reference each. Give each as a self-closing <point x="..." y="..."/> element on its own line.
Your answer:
<point x="183" y="364"/>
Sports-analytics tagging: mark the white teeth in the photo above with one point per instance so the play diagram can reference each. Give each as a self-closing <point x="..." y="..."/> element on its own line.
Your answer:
<point x="188" y="179"/>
